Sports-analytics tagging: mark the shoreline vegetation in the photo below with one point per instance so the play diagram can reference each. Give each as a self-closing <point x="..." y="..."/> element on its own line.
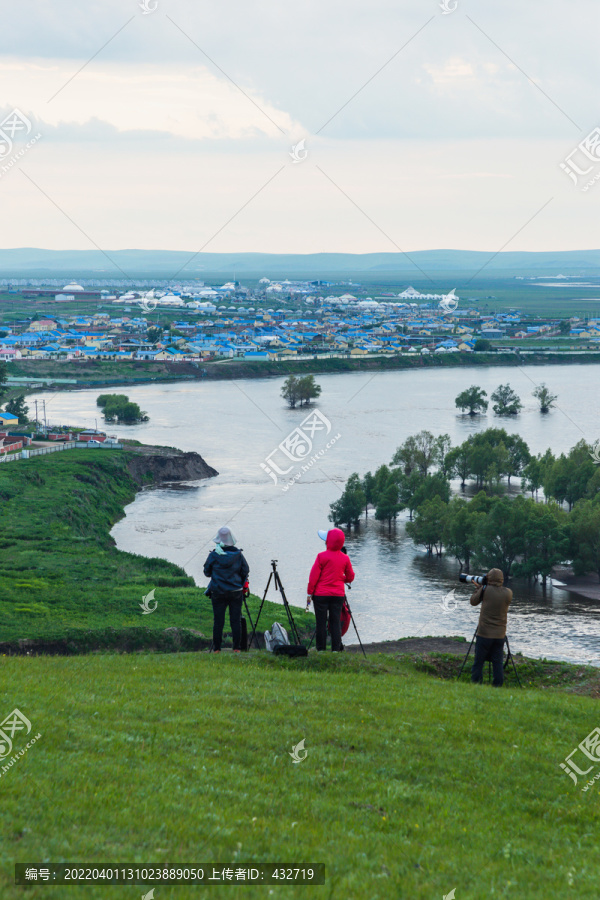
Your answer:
<point x="104" y="373"/>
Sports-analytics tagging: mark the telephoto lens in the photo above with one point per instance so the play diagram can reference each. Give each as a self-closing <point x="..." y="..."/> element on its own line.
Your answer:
<point x="471" y="579"/>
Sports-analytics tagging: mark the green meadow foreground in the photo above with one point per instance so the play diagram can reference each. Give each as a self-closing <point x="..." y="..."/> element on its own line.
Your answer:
<point x="411" y="786"/>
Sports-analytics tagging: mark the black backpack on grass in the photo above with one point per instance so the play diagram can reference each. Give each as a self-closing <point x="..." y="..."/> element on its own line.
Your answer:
<point x="290" y="650"/>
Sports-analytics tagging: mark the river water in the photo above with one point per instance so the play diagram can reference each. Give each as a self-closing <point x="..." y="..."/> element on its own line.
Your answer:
<point x="237" y="426"/>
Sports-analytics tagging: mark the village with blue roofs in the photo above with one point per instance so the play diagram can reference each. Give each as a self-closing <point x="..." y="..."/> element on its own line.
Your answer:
<point x="271" y="320"/>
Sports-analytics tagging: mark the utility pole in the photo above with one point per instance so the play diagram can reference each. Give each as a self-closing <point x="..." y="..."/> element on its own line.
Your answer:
<point x="36" y="415"/>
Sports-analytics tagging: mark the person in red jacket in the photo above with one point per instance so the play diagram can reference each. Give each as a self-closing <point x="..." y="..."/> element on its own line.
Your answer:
<point x="331" y="572"/>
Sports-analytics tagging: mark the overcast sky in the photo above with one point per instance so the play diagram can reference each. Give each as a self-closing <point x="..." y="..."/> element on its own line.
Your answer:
<point x="173" y="129"/>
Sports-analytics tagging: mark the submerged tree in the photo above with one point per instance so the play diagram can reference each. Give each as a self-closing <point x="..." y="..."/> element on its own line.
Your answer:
<point x="545" y="397"/>
<point x="473" y="400"/>
<point x="506" y="401"/>
<point x="308" y="389"/>
<point x="118" y="408"/>
<point x="348" y="509"/>
<point x="290" y="390"/>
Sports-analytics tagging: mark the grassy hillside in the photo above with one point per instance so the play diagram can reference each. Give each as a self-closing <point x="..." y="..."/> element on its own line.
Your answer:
<point x="63" y="578"/>
<point x="412" y="786"/>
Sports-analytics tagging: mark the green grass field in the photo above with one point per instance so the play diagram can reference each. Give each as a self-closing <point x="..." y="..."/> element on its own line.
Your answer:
<point x="412" y="786"/>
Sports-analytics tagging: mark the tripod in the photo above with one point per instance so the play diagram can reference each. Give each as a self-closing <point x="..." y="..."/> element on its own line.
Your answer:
<point x="274" y="574"/>
<point x="509" y="658"/>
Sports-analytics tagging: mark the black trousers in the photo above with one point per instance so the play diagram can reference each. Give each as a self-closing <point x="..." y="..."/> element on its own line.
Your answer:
<point x="331" y="606"/>
<point x="220" y="602"/>
<point x="492" y="649"/>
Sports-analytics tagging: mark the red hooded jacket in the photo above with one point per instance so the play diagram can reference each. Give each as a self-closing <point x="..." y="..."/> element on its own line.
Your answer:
<point x="332" y="569"/>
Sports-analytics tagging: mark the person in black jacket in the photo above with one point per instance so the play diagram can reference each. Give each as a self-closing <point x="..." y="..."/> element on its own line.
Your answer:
<point x="228" y="572"/>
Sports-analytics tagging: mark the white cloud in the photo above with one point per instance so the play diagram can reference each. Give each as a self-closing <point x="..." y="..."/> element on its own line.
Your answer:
<point x="189" y="103"/>
<point x="433" y="127"/>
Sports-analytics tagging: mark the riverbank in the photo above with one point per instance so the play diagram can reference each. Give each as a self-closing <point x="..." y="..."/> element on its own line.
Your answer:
<point x="66" y="586"/>
<point x="105" y="373"/>
<point x="588" y="586"/>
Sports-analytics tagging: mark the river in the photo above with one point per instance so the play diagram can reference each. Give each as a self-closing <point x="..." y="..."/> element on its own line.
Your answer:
<point x="399" y="591"/>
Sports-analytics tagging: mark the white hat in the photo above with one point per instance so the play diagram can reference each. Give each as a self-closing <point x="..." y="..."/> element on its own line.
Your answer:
<point x="322" y="534"/>
<point x="225" y="536"/>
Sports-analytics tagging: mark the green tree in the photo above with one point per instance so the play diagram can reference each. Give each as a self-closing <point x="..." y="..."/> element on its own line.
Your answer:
<point x="482" y="345"/>
<point x="387" y="500"/>
<point x="429" y="524"/>
<point x="415" y="489"/>
<point x="420" y="452"/>
<point x="443" y="445"/>
<point x="290" y="391"/>
<point x="545" y="397"/>
<point x="568" y="478"/>
<point x="117" y="407"/>
<point x="473" y="399"/>
<point x="545" y="540"/>
<point x="458" y="462"/>
<point x="533" y="476"/>
<point x="499" y="534"/>
<point x="348" y="509"/>
<point x="564" y="326"/>
<point x="112" y="399"/>
<point x="154" y="334"/>
<point x="3" y="377"/>
<point x="308" y="389"/>
<point x="130" y="413"/>
<point x="18" y="407"/>
<point x="368" y="485"/>
<point x="518" y="453"/>
<point x="505" y="401"/>
<point x="460" y="526"/>
<point x="488" y="456"/>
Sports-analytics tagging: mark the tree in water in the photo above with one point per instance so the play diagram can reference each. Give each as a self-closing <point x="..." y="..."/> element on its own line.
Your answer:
<point x="308" y="389"/>
<point x="506" y="401"/>
<point x="545" y="397"/>
<point x="473" y="400"/>
<point x="349" y="508"/>
<point x="290" y="391"/>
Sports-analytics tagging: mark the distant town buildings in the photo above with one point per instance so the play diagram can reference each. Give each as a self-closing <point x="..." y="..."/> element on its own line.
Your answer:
<point x="273" y="320"/>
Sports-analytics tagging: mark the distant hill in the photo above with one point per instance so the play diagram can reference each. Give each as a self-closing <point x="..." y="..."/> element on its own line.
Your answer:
<point x="33" y="262"/>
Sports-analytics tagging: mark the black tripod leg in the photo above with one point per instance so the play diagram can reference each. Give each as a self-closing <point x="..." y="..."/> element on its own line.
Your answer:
<point x="255" y="626"/>
<point x="356" y="630"/>
<point x="510" y="657"/>
<point x="312" y="639"/>
<point x="250" y="619"/>
<point x="467" y="656"/>
<point x="280" y="588"/>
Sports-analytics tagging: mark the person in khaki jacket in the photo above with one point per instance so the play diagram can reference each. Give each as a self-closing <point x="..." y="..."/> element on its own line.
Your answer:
<point x="491" y="630"/>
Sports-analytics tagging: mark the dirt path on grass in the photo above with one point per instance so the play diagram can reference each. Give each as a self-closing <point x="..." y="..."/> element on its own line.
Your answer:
<point x="415" y="645"/>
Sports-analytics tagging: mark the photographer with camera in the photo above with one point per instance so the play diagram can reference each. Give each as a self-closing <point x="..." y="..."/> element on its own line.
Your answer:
<point x="491" y="630"/>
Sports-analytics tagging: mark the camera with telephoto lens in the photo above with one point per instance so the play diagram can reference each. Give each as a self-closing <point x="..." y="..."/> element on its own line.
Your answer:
<point x="472" y="579"/>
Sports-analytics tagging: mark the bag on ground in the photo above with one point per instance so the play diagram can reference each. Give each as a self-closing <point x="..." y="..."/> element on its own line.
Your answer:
<point x="276" y="637"/>
<point x="290" y="650"/>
